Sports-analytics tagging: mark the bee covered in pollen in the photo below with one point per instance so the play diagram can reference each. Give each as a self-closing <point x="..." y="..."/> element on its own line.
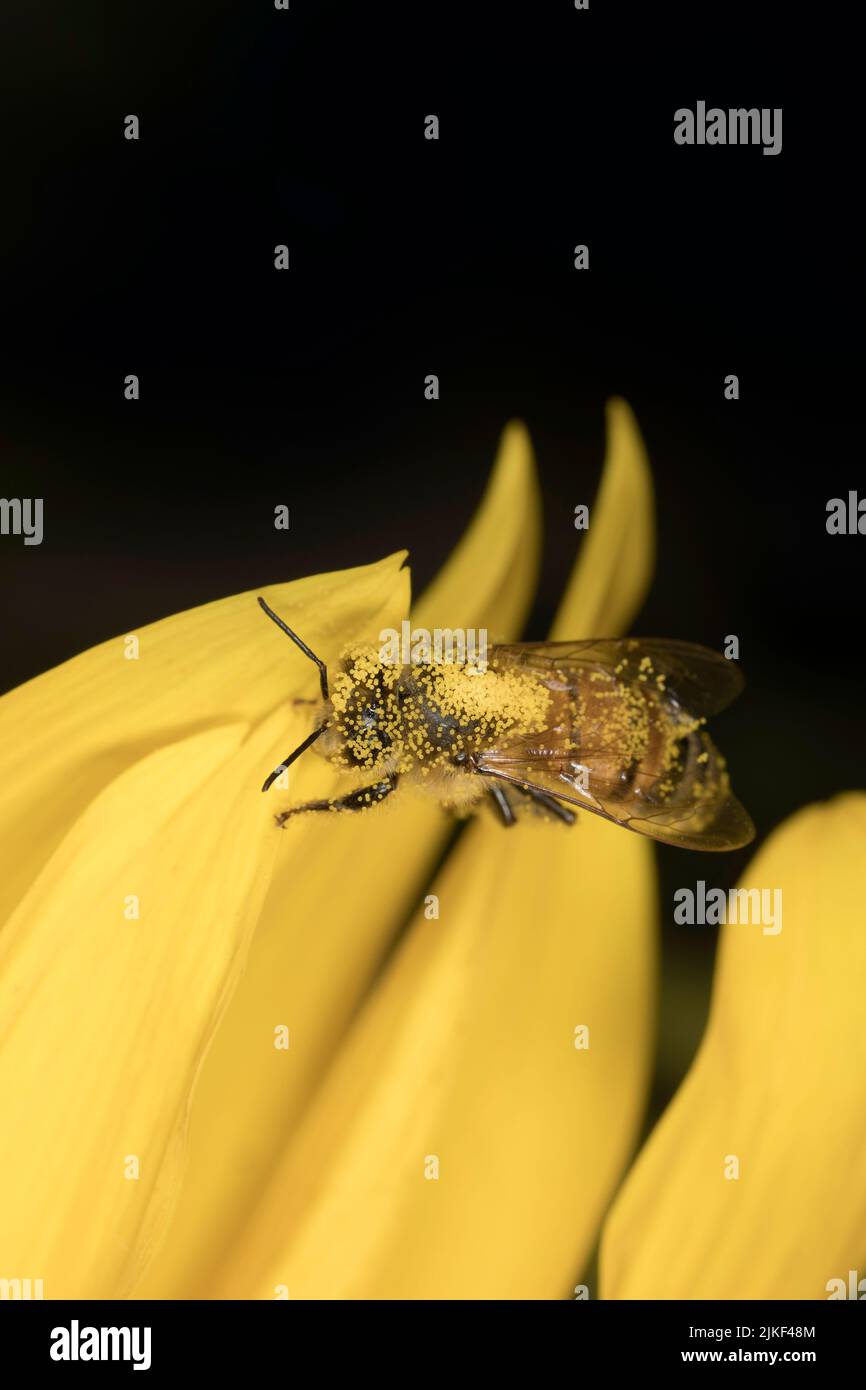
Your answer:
<point x="613" y="726"/>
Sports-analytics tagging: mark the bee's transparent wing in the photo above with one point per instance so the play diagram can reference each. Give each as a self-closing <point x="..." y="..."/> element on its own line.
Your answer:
<point x="700" y="680"/>
<point x="712" y="819"/>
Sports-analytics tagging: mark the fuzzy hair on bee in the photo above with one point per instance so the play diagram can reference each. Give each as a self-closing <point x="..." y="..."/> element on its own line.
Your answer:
<point x="612" y="726"/>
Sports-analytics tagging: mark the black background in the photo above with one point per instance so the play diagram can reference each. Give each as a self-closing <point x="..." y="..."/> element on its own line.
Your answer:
<point x="408" y="257"/>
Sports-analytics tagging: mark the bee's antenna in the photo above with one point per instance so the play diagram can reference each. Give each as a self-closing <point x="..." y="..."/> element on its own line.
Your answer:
<point x="287" y="762"/>
<point x="323" y="670"/>
<point x="323" y="681"/>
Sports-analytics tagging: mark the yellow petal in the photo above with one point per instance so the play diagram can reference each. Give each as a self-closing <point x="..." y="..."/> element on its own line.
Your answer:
<point x="126" y="945"/>
<point x="615" y="564"/>
<point x="779" y="1084"/>
<point x="65" y="735"/>
<point x="491" y="576"/>
<point x="465" y="1055"/>
<point x="330" y="916"/>
<point x="104" y="1017"/>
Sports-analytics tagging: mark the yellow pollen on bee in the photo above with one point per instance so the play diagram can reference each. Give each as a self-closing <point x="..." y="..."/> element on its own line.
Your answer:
<point x="501" y="700"/>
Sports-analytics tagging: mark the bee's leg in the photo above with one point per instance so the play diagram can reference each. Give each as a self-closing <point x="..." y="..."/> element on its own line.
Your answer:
<point x="360" y="800"/>
<point x="551" y="804"/>
<point x="503" y="805"/>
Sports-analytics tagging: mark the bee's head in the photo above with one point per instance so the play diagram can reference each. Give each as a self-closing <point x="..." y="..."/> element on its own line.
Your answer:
<point x="363" y="712"/>
<point x="358" y="717"/>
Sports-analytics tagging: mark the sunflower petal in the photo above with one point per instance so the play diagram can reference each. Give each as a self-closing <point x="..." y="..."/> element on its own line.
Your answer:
<point x="615" y="565"/>
<point x="491" y="576"/>
<point x="337" y="898"/>
<point x="65" y="735"/>
<point x="779" y="1085"/>
<point x="126" y="944"/>
<point x="467" y="1055"/>
<point x="105" y="1014"/>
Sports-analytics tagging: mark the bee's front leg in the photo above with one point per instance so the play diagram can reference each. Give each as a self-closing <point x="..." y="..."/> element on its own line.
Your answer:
<point x="360" y="800"/>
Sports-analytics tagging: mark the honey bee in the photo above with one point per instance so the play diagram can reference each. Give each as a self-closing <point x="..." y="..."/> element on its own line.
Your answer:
<point x="612" y="726"/>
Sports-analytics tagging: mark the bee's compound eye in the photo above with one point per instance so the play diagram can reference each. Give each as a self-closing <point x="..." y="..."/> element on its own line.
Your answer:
<point x="459" y="759"/>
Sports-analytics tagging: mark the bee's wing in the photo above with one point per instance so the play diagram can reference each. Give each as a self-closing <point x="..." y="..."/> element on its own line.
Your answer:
<point x="700" y="680"/>
<point x="715" y="820"/>
<point x="695" y="808"/>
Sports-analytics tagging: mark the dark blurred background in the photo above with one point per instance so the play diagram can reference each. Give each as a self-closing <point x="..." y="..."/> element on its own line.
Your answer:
<point x="410" y="257"/>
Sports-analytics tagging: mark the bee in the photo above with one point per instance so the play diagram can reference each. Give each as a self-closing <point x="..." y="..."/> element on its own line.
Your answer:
<point x="614" y="726"/>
